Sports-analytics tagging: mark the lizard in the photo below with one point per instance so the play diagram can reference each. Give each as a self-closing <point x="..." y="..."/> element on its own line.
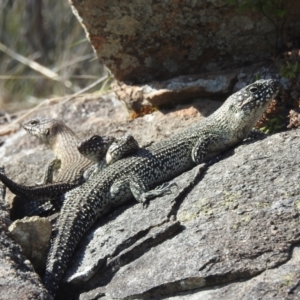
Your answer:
<point x="46" y="130"/>
<point x="118" y="149"/>
<point x="121" y="147"/>
<point x="63" y="142"/>
<point x="136" y="174"/>
<point x="92" y="149"/>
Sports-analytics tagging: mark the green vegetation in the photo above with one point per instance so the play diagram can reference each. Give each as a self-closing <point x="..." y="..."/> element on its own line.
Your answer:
<point x="277" y="8"/>
<point x="51" y="37"/>
<point x="290" y="70"/>
<point x="274" y="125"/>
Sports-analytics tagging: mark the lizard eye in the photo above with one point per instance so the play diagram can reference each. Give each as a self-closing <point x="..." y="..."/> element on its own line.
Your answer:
<point x="253" y="89"/>
<point x="95" y="138"/>
<point x="34" y="122"/>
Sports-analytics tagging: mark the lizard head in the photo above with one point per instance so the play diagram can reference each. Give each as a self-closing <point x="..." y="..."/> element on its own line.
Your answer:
<point x="253" y="99"/>
<point x="95" y="147"/>
<point x="121" y="147"/>
<point x="46" y="129"/>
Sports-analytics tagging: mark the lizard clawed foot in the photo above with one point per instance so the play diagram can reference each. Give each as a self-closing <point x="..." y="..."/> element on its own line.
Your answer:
<point x="164" y="189"/>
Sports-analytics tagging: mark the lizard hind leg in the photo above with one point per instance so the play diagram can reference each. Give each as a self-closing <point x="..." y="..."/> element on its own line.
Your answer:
<point x="51" y="167"/>
<point x="119" y="191"/>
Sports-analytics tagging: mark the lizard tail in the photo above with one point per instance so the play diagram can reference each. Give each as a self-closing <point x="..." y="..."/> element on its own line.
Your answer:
<point x="50" y="190"/>
<point x="69" y="232"/>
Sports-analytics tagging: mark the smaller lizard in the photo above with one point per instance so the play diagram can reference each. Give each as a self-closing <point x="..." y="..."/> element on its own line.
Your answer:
<point x="63" y="141"/>
<point x="120" y="148"/>
<point x="45" y="196"/>
<point x="95" y="147"/>
<point x="92" y="149"/>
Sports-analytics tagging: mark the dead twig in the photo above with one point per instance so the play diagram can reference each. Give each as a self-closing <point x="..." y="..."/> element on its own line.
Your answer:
<point x="53" y="100"/>
<point x="35" y="66"/>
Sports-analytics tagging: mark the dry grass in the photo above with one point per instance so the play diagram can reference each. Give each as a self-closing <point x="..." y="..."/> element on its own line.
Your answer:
<point x="68" y="53"/>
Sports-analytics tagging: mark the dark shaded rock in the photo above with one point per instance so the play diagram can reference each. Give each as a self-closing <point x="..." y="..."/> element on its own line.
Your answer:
<point x="141" y="41"/>
<point x="17" y="277"/>
<point x="280" y="283"/>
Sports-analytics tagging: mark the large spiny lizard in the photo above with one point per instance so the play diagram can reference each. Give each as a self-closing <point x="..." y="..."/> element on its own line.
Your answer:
<point x="137" y="174"/>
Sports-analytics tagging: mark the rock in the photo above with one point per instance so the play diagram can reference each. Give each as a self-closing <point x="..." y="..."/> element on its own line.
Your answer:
<point x="280" y="283"/>
<point x="33" y="235"/>
<point x="229" y="229"/>
<point x="17" y="277"/>
<point x="139" y="99"/>
<point x="157" y="40"/>
<point x="240" y="220"/>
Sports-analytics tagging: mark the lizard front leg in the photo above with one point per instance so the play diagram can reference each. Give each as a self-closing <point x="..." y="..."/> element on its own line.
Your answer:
<point x="140" y="191"/>
<point x="200" y="150"/>
<point x="51" y="167"/>
<point x="94" y="169"/>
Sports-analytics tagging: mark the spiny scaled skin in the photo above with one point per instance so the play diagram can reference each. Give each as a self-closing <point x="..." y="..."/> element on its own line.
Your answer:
<point x="136" y="174"/>
<point x="96" y="147"/>
<point x="120" y="148"/>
